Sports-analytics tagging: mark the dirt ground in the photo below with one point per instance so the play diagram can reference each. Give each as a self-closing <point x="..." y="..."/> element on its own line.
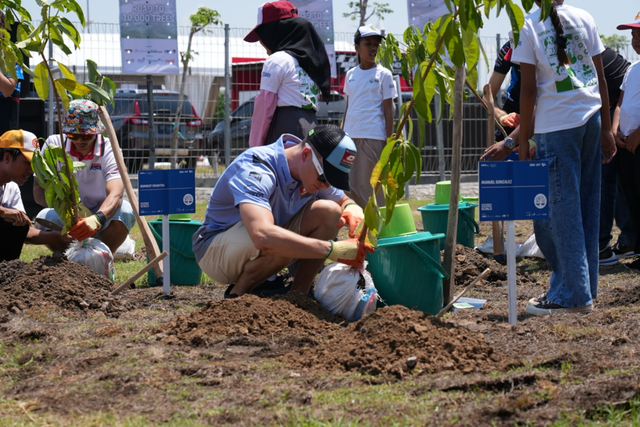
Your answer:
<point x="68" y="349"/>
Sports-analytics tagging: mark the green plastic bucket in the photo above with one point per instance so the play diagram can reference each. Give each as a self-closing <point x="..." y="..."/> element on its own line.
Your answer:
<point x="436" y="216"/>
<point x="178" y="217"/>
<point x="401" y="222"/>
<point x="406" y="270"/>
<point x="184" y="268"/>
<point x="443" y="192"/>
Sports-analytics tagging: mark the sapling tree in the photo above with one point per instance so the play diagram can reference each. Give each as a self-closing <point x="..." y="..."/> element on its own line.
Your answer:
<point x="55" y="28"/>
<point x="360" y="12"/>
<point x="200" y="21"/>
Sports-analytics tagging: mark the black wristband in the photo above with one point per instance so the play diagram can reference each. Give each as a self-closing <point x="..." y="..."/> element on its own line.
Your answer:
<point x="101" y="217"/>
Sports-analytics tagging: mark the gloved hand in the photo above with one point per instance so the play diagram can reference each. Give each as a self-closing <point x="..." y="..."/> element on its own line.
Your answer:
<point x="351" y="252"/>
<point x="511" y="120"/>
<point x="85" y="228"/>
<point x="352" y="215"/>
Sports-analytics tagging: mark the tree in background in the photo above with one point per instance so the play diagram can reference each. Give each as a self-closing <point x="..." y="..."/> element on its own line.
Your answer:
<point x="359" y="11"/>
<point x="200" y="21"/>
<point x="615" y="42"/>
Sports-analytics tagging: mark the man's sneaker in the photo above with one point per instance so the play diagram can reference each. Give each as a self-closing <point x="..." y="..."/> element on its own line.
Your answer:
<point x="546" y="308"/>
<point x="635" y="265"/>
<point x="623" y="251"/>
<point x="487" y="247"/>
<point x="607" y="257"/>
<point x="228" y="294"/>
<point x="271" y="287"/>
<point x="539" y="298"/>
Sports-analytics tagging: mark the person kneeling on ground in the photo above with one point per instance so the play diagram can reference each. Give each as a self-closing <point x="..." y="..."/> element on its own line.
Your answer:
<point x="99" y="184"/>
<point x="16" y="152"/>
<point x="280" y="203"/>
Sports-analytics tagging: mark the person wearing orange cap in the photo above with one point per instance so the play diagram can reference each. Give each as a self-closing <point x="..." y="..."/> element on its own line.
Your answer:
<point x="16" y="152"/>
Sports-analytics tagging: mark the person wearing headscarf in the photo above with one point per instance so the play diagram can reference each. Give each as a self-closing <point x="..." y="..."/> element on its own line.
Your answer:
<point x="293" y="76"/>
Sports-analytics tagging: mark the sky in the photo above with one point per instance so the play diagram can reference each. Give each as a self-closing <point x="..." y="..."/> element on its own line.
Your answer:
<point x="243" y="14"/>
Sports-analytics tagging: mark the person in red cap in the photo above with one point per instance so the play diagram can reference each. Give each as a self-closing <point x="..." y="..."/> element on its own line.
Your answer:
<point x="626" y="124"/>
<point x="16" y="152"/>
<point x="295" y="73"/>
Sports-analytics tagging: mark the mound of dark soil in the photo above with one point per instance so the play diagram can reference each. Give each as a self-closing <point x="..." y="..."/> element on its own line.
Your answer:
<point x="292" y="314"/>
<point x="396" y="340"/>
<point x="56" y="283"/>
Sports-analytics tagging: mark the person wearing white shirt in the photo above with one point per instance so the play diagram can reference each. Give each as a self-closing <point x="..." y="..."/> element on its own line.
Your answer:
<point x="16" y="152"/>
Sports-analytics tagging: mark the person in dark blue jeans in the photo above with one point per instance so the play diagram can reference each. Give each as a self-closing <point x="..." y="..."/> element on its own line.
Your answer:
<point x="613" y="204"/>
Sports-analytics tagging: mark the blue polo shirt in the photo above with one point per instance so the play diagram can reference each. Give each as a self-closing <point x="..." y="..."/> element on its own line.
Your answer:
<point x="260" y="176"/>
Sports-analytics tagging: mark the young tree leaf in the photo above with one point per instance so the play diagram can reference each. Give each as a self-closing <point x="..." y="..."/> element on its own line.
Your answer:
<point x="516" y="17"/>
<point x="41" y="81"/>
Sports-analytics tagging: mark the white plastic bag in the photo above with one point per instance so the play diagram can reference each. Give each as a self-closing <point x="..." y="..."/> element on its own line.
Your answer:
<point x="94" y="254"/>
<point x="127" y="249"/>
<point x="529" y="249"/>
<point x="337" y="291"/>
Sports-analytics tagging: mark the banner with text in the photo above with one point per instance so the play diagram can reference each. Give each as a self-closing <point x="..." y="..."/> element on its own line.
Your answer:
<point x="423" y="11"/>
<point x="149" y="37"/>
<point x="320" y="14"/>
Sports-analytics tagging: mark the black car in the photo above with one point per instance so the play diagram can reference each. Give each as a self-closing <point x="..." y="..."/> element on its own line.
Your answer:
<point x="130" y="118"/>
<point x="332" y="112"/>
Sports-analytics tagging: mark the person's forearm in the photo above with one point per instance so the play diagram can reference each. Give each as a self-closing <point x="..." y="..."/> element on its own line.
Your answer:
<point x="110" y="205"/>
<point x="264" y="108"/>
<point x="38" y="194"/>
<point x="388" y="116"/>
<point x="7" y="85"/>
<point x="281" y="242"/>
<point x="498" y="113"/>
<point x="615" y="122"/>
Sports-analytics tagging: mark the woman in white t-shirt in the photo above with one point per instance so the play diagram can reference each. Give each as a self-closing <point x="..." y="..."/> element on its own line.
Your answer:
<point x="369" y="115"/>
<point x="293" y="76"/>
<point x="563" y="77"/>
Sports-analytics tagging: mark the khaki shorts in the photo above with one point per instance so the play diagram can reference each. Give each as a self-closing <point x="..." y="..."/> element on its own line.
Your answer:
<point x="229" y="251"/>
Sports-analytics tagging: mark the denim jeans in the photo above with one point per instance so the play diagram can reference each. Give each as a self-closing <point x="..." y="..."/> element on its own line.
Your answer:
<point x="569" y="237"/>
<point x="613" y="204"/>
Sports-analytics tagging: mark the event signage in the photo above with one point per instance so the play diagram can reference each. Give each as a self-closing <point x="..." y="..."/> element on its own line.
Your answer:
<point x="320" y="14"/>
<point x="149" y="37"/>
<point x="166" y="191"/>
<point x="423" y="11"/>
<point x="513" y="190"/>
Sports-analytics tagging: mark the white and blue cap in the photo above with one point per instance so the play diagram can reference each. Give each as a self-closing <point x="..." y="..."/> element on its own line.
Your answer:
<point x="338" y="152"/>
<point x="367" y="31"/>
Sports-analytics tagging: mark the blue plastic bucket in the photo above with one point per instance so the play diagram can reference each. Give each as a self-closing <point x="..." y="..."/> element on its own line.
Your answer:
<point x="435" y="218"/>
<point x="406" y="270"/>
<point x="184" y="268"/>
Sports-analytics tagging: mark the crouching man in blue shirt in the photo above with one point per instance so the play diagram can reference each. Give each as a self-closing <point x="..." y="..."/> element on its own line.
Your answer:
<point x="279" y="203"/>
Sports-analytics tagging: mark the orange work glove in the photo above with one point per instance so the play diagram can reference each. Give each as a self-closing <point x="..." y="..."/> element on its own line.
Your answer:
<point x="85" y="228"/>
<point x="511" y="120"/>
<point x="352" y="215"/>
<point x="351" y="252"/>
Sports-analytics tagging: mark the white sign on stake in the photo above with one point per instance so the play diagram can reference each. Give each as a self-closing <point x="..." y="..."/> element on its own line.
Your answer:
<point x="149" y="37"/>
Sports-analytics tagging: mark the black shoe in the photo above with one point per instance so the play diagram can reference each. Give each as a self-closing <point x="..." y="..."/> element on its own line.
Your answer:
<point x="271" y="287"/>
<point x="546" y="307"/>
<point x="623" y="251"/>
<point x="500" y="259"/>
<point x="635" y="265"/>
<point x="228" y="294"/>
<point x="607" y="257"/>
